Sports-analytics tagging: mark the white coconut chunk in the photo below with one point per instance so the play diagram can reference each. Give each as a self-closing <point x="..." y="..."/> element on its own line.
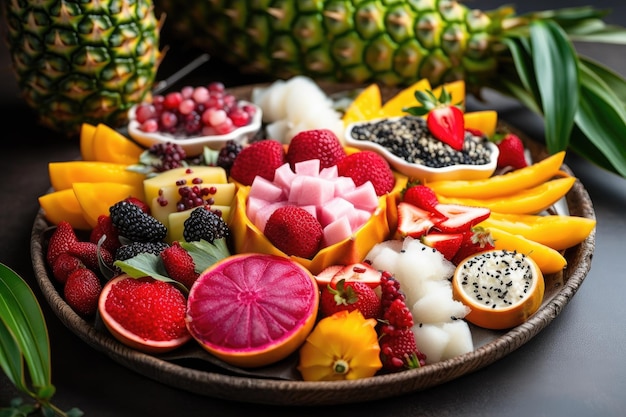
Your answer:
<point x="460" y="339"/>
<point x="431" y="340"/>
<point x="438" y="306"/>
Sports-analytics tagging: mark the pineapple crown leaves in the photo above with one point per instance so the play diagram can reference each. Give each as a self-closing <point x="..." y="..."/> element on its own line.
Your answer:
<point x="429" y="101"/>
<point x="583" y="103"/>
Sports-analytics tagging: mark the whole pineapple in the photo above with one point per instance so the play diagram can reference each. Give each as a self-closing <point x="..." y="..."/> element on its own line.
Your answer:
<point x="83" y="60"/>
<point x="398" y="42"/>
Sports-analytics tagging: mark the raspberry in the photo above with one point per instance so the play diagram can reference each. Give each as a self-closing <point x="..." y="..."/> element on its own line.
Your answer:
<point x="368" y="166"/>
<point x="179" y="264"/>
<point x="320" y="144"/>
<point x="82" y="290"/>
<point x="294" y="231"/>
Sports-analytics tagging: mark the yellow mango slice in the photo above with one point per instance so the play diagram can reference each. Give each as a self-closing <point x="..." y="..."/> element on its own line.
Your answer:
<point x="64" y="174"/>
<point x="456" y="89"/>
<point x="87" y="132"/>
<point x="366" y="106"/>
<point x="549" y="260"/>
<point x="96" y="198"/>
<point x="405" y="98"/>
<point x="557" y="231"/>
<point x="63" y="205"/>
<point x="486" y="121"/>
<point x="111" y="146"/>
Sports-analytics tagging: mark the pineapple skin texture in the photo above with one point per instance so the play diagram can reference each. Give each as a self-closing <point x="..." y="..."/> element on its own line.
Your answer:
<point x="392" y="42"/>
<point x="83" y="61"/>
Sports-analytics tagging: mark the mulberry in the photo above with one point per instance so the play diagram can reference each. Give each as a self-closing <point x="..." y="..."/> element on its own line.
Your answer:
<point x="133" y="249"/>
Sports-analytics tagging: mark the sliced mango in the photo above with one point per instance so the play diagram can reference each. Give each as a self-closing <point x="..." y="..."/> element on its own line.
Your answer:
<point x="64" y="174"/>
<point x="63" y="205"/>
<point x="486" y="121"/>
<point x="111" y="146"/>
<point x="87" y="132"/>
<point x="405" y="98"/>
<point x="366" y="106"/>
<point x="549" y="260"/>
<point x="456" y="89"/>
<point x="96" y="198"/>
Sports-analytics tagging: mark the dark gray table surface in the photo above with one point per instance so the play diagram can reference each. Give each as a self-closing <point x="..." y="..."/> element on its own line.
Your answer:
<point x="575" y="367"/>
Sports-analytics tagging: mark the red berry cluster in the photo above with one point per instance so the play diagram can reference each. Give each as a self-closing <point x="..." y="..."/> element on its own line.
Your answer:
<point x="194" y="111"/>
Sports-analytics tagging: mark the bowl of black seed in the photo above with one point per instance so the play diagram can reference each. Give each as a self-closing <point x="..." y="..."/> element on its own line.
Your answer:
<point x="410" y="148"/>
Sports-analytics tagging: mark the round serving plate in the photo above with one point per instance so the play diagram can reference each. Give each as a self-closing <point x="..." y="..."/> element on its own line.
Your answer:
<point x="277" y="387"/>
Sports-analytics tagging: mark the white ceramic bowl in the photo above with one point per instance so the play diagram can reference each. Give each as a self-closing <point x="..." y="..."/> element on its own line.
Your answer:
<point x="420" y="171"/>
<point x="195" y="145"/>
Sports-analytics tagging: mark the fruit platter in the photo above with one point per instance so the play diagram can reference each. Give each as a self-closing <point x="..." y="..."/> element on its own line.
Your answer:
<point x="358" y="274"/>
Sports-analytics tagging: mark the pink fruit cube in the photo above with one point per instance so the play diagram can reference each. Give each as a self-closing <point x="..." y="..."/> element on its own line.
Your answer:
<point x="337" y="231"/>
<point x="363" y="197"/>
<point x="334" y="209"/>
<point x="358" y="218"/>
<point x="329" y="173"/>
<point x="312" y="191"/>
<point x="343" y="185"/>
<point x="284" y="176"/>
<point x="310" y="167"/>
<point x="266" y="190"/>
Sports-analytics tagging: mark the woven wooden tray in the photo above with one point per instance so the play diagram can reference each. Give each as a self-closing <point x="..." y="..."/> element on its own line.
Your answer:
<point x="194" y="372"/>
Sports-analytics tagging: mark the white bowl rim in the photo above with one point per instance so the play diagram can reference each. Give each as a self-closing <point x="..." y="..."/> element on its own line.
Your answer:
<point x="397" y="161"/>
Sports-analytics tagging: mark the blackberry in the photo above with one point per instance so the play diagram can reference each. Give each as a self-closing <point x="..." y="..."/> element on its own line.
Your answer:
<point x="227" y="154"/>
<point x="135" y="224"/>
<point x="204" y="224"/>
<point x="170" y="155"/>
<point x="133" y="249"/>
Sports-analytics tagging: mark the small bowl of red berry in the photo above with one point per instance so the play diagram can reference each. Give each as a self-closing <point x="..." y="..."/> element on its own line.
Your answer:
<point x="195" y="118"/>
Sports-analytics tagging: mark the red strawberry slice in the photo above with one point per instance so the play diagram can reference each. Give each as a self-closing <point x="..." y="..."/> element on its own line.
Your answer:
<point x="423" y="197"/>
<point x="447" y="124"/>
<point x="414" y="221"/>
<point x="460" y="218"/>
<point x="446" y="243"/>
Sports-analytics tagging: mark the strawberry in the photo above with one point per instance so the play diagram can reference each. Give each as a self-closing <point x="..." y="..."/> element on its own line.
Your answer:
<point x="415" y="222"/>
<point x="320" y="144"/>
<point x="368" y="166"/>
<point x="360" y="271"/>
<point x="444" y="120"/>
<point x="294" y="231"/>
<point x="475" y="240"/>
<point x="82" y="290"/>
<point x="179" y="264"/>
<point x="87" y="252"/>
<point x="460" y="218"/>
<point x="511" y="152"/>
<point x="349" y="295"/>
<point x="60" y="241"/>
<point x="446" y="243"/>
<point x="105" y="227"/>
<point x="259" y="158"/>
<point x="64" y="265"/>
<point x="421" y="196"/>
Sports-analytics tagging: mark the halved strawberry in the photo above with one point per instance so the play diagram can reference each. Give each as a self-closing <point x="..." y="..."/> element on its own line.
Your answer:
<point x="414" y="221"/>
<point x="461" y="218"/>
<point x="325" y="276"/>
<point x="361" y="272"/>
<point x="446" y="243"/>
<point x="476" y="240"/>
<point x="444" y="120"/>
